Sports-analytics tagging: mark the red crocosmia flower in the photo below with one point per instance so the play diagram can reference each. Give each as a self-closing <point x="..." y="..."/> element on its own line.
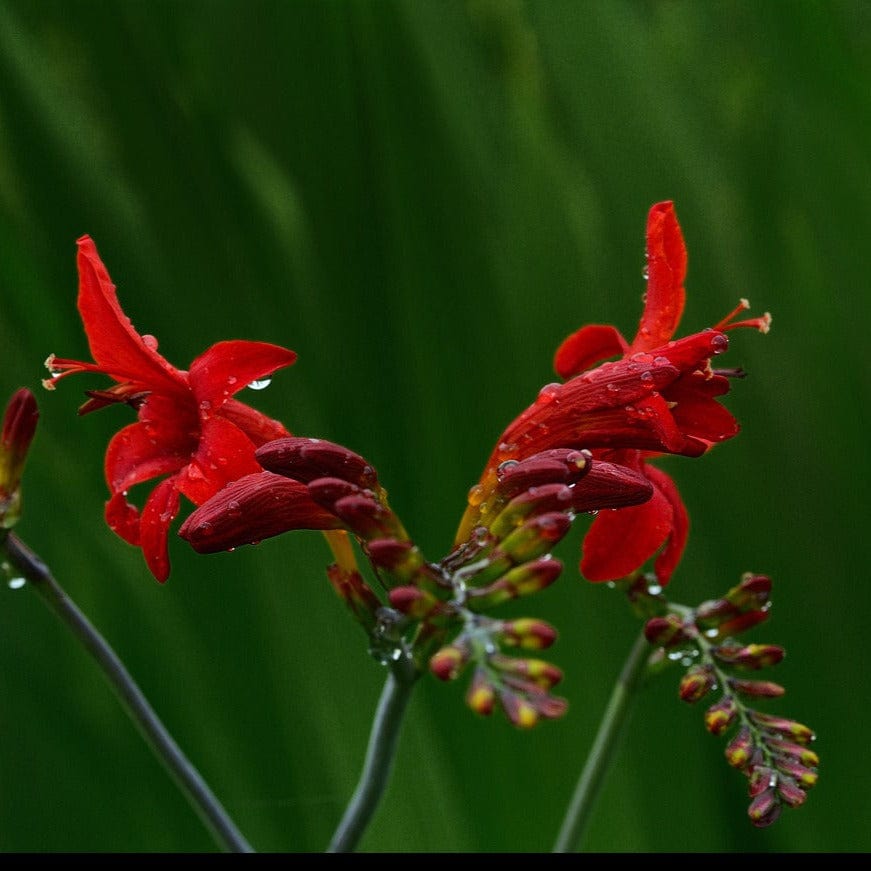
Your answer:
<point x="659" y="396"/>
<point x="190" y="428"/>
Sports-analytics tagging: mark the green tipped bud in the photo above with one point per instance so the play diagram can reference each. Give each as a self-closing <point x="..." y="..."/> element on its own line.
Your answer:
<point x="414" y="602"/>
<point x="522" y="580"/>
<point x="757" y="688"/>
<point x="720" y="716"/>
<point x="765" y="809"/>
<point x="528" y="633"/>
<point x="447" y="663"/>
<point x="668" y="631"/>
<point x="481" y="697"/>
<point x="798" y="732"/>
<point x="536" y="537"/>
<point x="740" y="749"/>
<point x="532" y="502"/>
<point x="697" y="683"/>
<point x="402" y="559"/>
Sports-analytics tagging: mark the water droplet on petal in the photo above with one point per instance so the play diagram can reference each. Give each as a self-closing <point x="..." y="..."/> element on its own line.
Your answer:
<point x="231" y="380"/>
<point x="260" y="383"/>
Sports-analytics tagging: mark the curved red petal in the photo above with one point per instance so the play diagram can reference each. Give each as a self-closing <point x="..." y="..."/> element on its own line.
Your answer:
<point x="159" y="511"/>
<point x="227" y="367"/>
<point x="255" y="507"/>
<point x="137" y="453"/>
<point x="695" y="410"/>
<point x="620" y="541"/>
<point x="115" y="345"/>
<point x="666" y="270"/>
<point x="224" y="454"/>
<point x="123" y="518"/>
<point x="670" y="555"/>
<point x="586" y="347"/>
<point x="256" y="425"/>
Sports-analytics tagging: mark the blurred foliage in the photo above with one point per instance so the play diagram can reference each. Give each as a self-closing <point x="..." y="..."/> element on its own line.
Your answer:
<point x="422" y="198"/>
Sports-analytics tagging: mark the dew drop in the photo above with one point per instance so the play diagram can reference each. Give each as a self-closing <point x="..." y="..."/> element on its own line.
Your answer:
<point x="549" y="392"/>
<point x="647" y="378"/>
<point x="260" y="384"/>
<point x="205" y="405"/>
<point x="654" y="589"/>
<point x="234" y="509"/>
<point x="16" y="583"/>
<point x="231" y="379"/>
<point x="611" y="387"/>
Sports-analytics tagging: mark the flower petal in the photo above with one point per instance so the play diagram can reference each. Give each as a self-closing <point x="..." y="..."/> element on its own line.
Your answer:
<point x="135" y="454"/>
<point x="255" y="507"/>
<point x="256" y="425"/>
<point x="224" y="454"/>
<point x="586" y="347"/>
<point x="666" y="270"/>
<point x="622" y="540"/>
<point x="123" y="518"/>
<point x="670" y="555"/>
<point x="227" y="367"/>
<point x="160" y="510"/>
<point x="115" y="345"/>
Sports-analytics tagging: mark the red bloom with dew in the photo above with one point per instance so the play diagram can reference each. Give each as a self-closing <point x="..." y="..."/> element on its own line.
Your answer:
<point x="660" y="396"/>
<point x="190" y="432"/>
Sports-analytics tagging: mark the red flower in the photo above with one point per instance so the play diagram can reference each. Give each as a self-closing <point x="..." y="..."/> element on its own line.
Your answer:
<point x="190" y="429"/>
<point x="660" y="396"/>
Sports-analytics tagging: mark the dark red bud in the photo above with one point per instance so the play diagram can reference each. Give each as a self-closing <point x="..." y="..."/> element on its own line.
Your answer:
<point x="305" y="459"/>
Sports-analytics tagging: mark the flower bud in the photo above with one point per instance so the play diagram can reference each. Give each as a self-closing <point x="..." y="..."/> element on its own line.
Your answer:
<point x="305" y="459"/>
<point x="740" y="748"/>
<point x="556" y="466"/>
<point x="720" y="716"/>
<point x="536" y="537"/>
<point x="539" y="673"/>
<point x="527" y="633"/>
<point x="757" y="688"/>
<point x="668" y="631"/>
<point x="804" y="777"/>
<point x="697" y="682"/>
<point x="798" y="732"/>
<point x="414" y="602"/>
<point x="356" y="593"/>
<point x="19" y="427"/>
<point x="790" y="792"/>
<point x="534" y="501"/>
<point x="765" y="809"/>
<point x="402" y="559"/>
<point x="761" y="778"/>
<point x="522" y="580"/>
<point x="449" y="661"/>
<point x="520" y="711"/>
<point x="750" y="657"/>
<point x="787" y="748"/>
<point x="752" y="594"/>
<point x="481" y="696"/>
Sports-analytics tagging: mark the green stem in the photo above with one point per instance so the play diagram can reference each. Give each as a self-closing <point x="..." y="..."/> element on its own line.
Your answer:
<point x="380" y="754"/>
<point x="198" y="793"/>
<point x="616" y="714"/>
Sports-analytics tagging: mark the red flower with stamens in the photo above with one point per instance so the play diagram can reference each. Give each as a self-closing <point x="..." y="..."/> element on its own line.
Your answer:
<point x="660" y="396"/>
<point x="190" y="428"/>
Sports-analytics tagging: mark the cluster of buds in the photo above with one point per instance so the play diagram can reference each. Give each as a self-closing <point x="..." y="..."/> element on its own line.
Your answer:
<point x="506" y="556"/>
<point x="772" y="752"/>
<point x="431" y="612"/>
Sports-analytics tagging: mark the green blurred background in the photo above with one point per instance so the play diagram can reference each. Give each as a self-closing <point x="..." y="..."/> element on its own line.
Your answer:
<point x="422" y="199"/>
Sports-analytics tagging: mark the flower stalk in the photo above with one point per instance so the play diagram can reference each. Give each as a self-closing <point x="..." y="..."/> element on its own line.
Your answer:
<point x="380" y="754"/>
<point x="198" y="793"/>
<point x="601" y="754"/>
